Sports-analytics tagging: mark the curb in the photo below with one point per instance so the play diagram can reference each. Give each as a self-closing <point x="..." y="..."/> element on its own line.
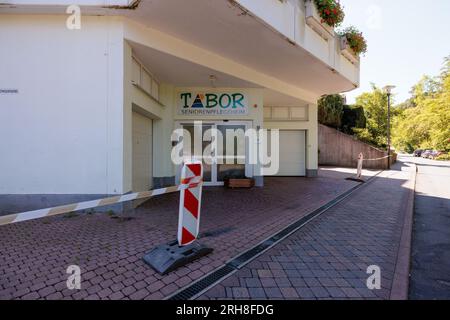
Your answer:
<point x="400" y="283"/>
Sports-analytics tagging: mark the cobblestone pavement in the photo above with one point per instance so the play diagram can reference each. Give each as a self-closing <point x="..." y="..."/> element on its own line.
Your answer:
<point x="34" y="255"/>
<point x="329" y="257"/>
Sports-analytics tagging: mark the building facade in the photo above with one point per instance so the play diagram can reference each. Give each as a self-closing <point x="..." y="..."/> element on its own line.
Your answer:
<point x="92" y="110"/>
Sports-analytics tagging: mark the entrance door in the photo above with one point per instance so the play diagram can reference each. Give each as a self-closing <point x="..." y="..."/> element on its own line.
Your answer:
<point x="220" y="166"/>
<point x="195" y="130"/>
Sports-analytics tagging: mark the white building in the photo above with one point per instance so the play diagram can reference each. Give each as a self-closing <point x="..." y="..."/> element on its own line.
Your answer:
<point x="90" y="111"/>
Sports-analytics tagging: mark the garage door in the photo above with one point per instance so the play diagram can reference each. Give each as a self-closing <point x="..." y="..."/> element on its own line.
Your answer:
<point x="292" y="153"/>
<point x="142" y="153"/>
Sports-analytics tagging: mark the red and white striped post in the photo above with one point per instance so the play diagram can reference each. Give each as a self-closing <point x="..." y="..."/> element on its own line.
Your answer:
<point x="190" y="202"/>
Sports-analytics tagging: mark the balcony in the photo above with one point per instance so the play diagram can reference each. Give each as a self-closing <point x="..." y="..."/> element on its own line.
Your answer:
<point x="300" y="22"/>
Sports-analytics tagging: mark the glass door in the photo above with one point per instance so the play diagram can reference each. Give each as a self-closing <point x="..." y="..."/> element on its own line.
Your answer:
<point x="232" y="156"/>
<point x="197" y="153"/>
<point x="221" y="159"/>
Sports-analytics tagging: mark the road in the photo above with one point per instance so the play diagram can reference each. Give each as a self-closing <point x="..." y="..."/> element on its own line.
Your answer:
<point x="430" y="265"/>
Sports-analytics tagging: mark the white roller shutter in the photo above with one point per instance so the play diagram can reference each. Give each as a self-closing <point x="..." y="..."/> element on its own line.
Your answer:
<point x="292" y="153"/>
<point x="142" y="153"/>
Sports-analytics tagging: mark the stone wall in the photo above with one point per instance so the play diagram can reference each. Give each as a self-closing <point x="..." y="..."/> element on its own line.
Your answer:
<point x="339" y="149"/>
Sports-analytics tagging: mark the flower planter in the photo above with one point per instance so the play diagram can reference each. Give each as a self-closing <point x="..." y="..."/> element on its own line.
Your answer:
<point x="314" y="20"/>
<point x="348" y="52"/>
<point x="239" y="183"/>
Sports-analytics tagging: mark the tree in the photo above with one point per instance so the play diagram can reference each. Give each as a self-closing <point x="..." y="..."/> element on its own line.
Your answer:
<point x="331" y="109"/>
<point x="427" y="124"/>
<point x="334" y="113"/>
<point x="374" y="104"/>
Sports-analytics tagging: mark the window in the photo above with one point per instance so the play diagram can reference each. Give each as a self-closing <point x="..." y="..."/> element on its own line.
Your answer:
<point x="144" y="79"/>
<point x="136" y="77"/>
<point x="146" y="82"/>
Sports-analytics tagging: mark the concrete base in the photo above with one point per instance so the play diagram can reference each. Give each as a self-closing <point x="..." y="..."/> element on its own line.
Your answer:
<point x="312" y="173"/>
<point x="169" y="257"/>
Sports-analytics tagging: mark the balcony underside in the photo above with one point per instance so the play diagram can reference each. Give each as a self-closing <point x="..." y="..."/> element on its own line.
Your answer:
<point x="225" y="29"/>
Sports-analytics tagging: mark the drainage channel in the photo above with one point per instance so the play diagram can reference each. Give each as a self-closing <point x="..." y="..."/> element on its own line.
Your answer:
<point x="207" y="282"/>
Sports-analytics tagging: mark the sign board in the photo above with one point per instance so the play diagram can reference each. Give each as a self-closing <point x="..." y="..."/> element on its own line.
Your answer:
<point x="9" y="91"/>
<point x="212" y="103"/>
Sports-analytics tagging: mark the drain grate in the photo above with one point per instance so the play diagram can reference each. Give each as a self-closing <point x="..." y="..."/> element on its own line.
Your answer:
<point x="240" y="261"/>
<point x="202" y="284"/>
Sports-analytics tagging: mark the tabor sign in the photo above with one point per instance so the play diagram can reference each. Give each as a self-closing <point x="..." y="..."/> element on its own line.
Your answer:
<point x="212" y="104"/>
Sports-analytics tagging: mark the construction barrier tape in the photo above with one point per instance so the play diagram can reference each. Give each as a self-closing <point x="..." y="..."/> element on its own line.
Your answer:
<point x="41" y="213"/>
<point x="377" y="158"/>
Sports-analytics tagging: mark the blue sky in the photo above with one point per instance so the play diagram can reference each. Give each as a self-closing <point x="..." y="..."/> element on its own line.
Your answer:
<point x="406" y="39"/>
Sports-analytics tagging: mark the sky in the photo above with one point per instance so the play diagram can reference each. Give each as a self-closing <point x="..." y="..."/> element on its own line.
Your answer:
<point x="406" y="40"/>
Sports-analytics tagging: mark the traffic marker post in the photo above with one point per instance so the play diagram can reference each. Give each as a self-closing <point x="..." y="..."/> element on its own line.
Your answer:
<point x="171" y="256"/>
<point x="358" y="169"/>
<point x="190" y="203"/>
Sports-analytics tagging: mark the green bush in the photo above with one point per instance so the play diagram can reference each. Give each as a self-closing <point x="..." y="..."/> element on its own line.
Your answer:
<point x="444" y="157"/>
<point x="331" y="110"/>
<point x="353" y="117"/>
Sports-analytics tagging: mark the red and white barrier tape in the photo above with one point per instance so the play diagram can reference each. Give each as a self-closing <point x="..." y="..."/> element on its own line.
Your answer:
<point x="41" y="213"/>
<point x="378" y="158"/>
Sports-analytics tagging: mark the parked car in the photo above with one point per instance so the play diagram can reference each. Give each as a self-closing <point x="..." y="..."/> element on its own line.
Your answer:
<point x="418" y="153"/>
<point x="426" y="154"/>
<point x="435" y="154"/>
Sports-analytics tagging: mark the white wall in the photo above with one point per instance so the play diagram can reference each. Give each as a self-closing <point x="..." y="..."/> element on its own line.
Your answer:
<point x="62" y="133"/>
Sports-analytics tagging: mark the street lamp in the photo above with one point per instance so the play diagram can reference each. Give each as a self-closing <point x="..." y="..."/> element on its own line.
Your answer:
<point x="388" y="89"/>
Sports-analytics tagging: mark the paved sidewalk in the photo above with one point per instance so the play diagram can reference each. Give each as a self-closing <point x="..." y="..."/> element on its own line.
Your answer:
<point x="329" y="257"/>
<point x="34" y="255"/>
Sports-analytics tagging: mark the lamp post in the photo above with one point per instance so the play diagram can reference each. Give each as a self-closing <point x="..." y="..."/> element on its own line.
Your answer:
<point x="388" y="89"/>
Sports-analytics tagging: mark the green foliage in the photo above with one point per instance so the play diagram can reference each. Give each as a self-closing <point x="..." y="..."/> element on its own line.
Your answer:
<point x="353" y="118"/>
<point x="334" y="113"/>
<point x="444" y="157"/>
<point x="375" y="104"/>
<point x="355" y="39"/>
<point x="331" y="12"/>
<point x="331" y="110"/>
<point x="427" y="124"/>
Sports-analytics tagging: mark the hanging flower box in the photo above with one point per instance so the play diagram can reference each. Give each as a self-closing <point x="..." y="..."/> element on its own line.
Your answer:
<point x="348" y="52"/>
<point x="323" y="16"/>
<point x="352" y="44"/>
<point x="314" y="20"/>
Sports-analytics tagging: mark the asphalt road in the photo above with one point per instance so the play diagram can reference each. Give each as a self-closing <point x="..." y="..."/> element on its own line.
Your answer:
<point x="430" y="269"/>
